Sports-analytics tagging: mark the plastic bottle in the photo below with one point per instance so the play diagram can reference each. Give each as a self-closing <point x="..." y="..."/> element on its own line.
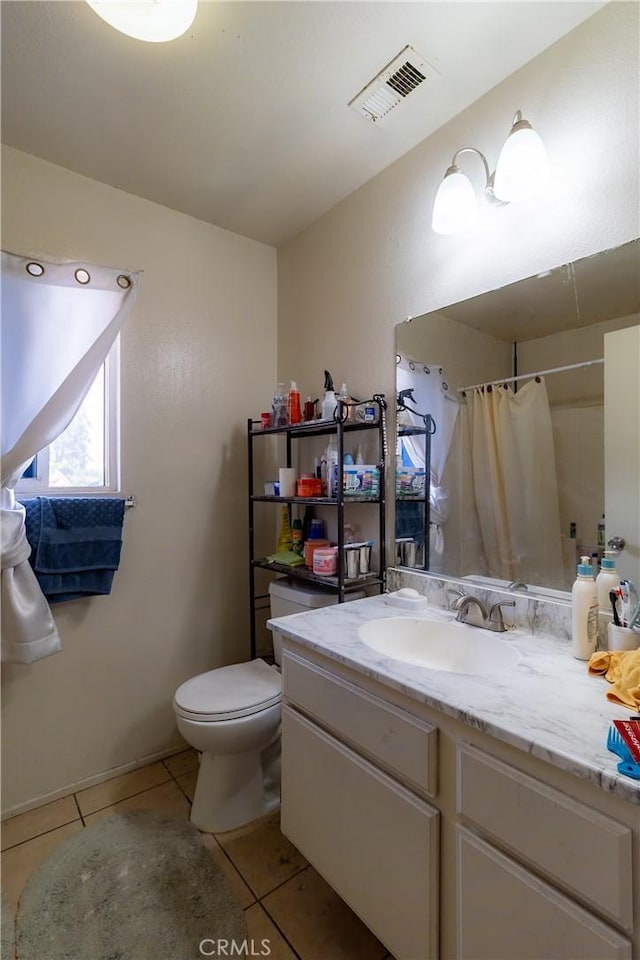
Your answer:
<point x="601" y="532"/>
<point x="284" y="537"/>
<point x="296" y="537"/>
<point x="584" y="612"/>
<point x="279" y="406"/>
<point x="329" y="401"/>
<point x="306" y="523"/>
<point x="349" y="412"/>
<point x="294" y="410"/>
<point x="607" y="580"/>
<point x="330" y="461"/>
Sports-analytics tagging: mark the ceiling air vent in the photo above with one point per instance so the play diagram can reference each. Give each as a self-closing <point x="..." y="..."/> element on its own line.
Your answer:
<point x="393" y="84"/>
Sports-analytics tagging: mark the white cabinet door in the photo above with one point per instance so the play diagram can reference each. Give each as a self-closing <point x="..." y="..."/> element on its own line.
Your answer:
<point x="373" y="841"/>
<point x="506" y="913"/>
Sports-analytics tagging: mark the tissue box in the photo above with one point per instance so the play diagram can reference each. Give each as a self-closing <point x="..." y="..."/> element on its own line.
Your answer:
<point x="361" y="480"/>
<point x="410" y="482"/>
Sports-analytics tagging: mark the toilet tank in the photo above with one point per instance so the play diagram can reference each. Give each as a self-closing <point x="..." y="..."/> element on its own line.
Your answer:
<point x="287" y="596"/>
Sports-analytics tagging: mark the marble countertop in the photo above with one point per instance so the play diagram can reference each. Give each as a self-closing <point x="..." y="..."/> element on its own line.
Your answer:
<point x="546" y="705"/>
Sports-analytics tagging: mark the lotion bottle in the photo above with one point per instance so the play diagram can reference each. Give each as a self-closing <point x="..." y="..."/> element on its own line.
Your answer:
<point x="584" y="612"/>
<point x="607" y="580"/>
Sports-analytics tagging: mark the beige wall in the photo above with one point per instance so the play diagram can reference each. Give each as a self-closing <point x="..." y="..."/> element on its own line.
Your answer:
<point x="198" y="358"/>
<point x="373" y="260"/>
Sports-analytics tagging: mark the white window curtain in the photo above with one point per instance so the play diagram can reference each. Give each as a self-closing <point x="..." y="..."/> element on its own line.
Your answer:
<point x="59" y="321"/>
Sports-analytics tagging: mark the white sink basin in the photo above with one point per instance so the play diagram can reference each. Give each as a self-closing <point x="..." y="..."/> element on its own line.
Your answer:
<point x="439" y="645"/>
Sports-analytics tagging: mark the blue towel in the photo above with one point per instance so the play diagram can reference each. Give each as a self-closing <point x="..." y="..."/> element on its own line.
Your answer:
<point x="75" y="544"/>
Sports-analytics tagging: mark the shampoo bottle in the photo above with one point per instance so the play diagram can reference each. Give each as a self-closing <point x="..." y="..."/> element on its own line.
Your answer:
<point x="584" y="612"/>
<point x="294" y="409"/>
<point x="607" y="580"/>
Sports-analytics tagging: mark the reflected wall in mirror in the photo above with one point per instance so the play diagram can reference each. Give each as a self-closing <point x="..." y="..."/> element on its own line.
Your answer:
<point x="522" y="406"/>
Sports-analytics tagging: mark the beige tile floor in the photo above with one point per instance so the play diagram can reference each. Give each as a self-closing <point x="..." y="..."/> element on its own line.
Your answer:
<point x="285" y="900"/>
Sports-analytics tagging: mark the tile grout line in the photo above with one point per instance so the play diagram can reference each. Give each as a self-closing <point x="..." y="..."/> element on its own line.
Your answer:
<point x="273" y="919"/>
<point x="112" y="803"/>
<point x="43" y="833"/>
<point x="75" y="798"/>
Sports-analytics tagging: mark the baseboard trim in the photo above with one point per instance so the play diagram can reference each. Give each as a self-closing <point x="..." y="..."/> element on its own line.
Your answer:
<point x="92" y="781"/>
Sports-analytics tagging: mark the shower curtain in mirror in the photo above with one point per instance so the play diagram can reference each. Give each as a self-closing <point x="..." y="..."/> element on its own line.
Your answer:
<point x="431" y="395"/>
<point x="515" y="486"/>
<point x="59" y="321"/>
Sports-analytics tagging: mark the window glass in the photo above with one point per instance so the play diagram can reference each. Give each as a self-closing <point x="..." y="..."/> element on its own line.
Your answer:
<point x="76" y="458"/>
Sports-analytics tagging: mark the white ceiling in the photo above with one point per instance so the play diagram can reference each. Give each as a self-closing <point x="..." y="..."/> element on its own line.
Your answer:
<point x="243" y="121"/>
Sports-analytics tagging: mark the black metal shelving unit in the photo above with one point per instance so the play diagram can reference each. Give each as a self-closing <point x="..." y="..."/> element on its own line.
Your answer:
<point x="427" y="431"/>
<point x="338" y="427"/>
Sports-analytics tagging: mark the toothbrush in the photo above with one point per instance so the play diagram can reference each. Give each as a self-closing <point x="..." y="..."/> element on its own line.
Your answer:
<point x="613" y="597"/>
<point x="624" y="593"/>
<point x="635" y="616"/>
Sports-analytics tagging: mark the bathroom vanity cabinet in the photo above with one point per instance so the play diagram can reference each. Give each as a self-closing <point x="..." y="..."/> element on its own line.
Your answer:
<point x="342" y="429"/>
<point x="446" y="841"/>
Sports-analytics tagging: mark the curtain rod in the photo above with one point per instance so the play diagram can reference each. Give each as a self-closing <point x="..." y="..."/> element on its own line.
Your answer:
<point x="527" y="376"/>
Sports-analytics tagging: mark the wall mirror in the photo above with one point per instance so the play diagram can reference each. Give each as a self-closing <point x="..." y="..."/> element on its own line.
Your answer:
<point x="518" y="428"/>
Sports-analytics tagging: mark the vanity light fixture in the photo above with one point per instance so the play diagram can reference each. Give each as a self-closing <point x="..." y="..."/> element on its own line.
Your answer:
<point x="155" y="21"/>
<point x="522" y="172"/>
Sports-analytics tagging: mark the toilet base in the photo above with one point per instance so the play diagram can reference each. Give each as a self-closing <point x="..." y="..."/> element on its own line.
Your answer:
<point x="234" y="789"/>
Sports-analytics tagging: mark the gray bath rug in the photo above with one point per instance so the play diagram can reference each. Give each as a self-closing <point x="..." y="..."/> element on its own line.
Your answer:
<point x="7" y="930"/>
<point x="136" y="886"/>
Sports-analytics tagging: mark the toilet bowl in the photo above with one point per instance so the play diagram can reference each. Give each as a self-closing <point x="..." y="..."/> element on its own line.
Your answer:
<point x="232" y="717"/>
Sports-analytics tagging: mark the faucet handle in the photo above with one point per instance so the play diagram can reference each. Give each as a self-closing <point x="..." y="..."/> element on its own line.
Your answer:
<point x="455" y="596"/>
<point x="496" y="620"/>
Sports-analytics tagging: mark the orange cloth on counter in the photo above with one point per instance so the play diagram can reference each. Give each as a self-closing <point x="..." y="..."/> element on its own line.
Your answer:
<point x="622" y="669"/>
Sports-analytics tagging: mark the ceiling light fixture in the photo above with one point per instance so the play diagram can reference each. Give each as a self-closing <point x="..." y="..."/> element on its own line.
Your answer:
<point x="522" y="172"/>
<point x="155" y="21"/>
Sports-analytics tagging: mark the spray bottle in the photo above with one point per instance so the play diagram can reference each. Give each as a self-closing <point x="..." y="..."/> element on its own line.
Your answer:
<point x="329" y="401"/>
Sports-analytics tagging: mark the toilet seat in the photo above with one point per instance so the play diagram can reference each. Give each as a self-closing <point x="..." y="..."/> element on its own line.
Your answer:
<point x="229" y="693"/>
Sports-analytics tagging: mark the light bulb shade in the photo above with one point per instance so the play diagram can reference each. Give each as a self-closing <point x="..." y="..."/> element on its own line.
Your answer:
<point x="455" y="207"/>
<point x="155" y="21"/>
<point x="523" y="169"/>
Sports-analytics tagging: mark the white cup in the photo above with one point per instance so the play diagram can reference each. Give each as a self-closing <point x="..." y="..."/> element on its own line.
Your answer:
<point x="287" y="481"/>
<point x="621" y="638"/>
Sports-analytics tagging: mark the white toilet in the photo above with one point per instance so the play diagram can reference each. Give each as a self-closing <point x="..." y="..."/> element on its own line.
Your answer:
<point x="232" y="716"/>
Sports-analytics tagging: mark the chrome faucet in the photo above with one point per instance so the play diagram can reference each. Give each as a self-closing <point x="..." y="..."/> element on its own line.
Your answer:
<point x="493" y="620"/>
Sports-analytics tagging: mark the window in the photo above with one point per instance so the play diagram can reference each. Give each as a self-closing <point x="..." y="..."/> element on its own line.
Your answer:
<point x="85" y="458"/>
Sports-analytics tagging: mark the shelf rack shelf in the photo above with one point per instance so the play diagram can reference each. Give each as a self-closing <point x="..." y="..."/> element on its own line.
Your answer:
<point x="338" y="427"/>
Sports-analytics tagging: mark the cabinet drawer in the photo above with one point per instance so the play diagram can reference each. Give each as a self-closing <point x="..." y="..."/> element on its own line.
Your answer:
<point x="505" y="913"/>
<point x="403" y="745"/>
<point x="373" y="841"/>
<point x="582" y="850"/>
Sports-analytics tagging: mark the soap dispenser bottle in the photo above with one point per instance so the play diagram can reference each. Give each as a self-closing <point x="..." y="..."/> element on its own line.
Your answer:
<point x="607" y="580"/>
<point x="584" y="612"/>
